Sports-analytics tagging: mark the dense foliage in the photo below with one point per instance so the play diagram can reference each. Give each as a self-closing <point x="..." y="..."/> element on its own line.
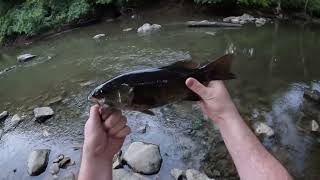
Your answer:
<point x="34" y="16"/>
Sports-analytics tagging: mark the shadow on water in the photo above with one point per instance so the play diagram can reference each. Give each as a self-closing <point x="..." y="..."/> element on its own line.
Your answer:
<point x="274" y="64"/>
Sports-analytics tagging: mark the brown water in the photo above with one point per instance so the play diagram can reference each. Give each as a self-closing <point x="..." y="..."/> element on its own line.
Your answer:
<point x="274" y="63"/>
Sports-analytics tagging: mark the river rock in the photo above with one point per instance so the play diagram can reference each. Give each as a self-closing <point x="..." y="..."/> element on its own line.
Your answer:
<point x="69" y="176"/>
<point x="63" y="163"/>
<point x="59" y="158"/>
<point x="245" y="18"/>
<point x="314" y="126"/>
<point x="25" y="57"/>
<point x="13" y="123"/>
<point x="127" y="29"/>
<point x="122" y="174"/>
<point x="3" y="115"/>
<point x="147" y="28"/>
<point x="312" y="95"/>
<point x="178" y="174"/>
<point x="117" y="162"/>
<point x="38" y="161"/>
<point x="143" y="129"/>
<point x="262" y="128"/>
<point x="98" y="36"/>
<point x="43" y="113"/>
<point x="1" y="133"/>
<point x="193" y="174"/>
<point x="143" y="158"/>
<point x="260" y="21"/>
<point x="53" y="101"/>
<point x="54" y="169"/>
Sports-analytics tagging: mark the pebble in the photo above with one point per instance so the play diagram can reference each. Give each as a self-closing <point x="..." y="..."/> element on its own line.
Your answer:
<point x="54" y="169"/>
<point x="98" y="36"/>
<point x="4" y="115"/>
<point x="314" y="126"/>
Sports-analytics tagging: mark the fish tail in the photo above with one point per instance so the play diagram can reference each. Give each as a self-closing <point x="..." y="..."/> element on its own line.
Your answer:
<point x="218" y="69"/>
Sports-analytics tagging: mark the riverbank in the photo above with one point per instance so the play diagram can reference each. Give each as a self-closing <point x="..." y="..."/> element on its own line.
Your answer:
<point x="113" y="13"/>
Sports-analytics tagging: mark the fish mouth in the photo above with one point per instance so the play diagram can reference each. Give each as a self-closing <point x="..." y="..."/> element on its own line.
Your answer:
<point x="100" y="101"/>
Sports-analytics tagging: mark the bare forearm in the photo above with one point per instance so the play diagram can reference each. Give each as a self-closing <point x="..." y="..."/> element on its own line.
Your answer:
<point x="95" y="170"/>
<point x="251" y="158"/>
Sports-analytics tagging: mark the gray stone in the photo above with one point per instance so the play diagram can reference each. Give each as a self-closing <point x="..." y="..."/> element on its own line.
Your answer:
<point x="262" y="128"/>
<point x="260" y="21"/>
<point x="43" y="113"/>
<point x="63" y="163"/>
<point x="143" y="158"/>
<point x="314" y="126"/>
<point x="54" y="169"/>
<point x="25" y="57"/>
<point x="87" y="83"/>
<point x="193" y="174"/>
<point x="98" y="36"/>
<point x="53" y="101"/>
<point x="1" y="133"/>
<point x="59" y="158"/>
<point x="38" y="161"/>
<point x="4" y="115"/>
<point x="69" y="176"/>
<point x="13" y="123"/>
<point x="147" y="28"/>
<point x="122" y="174"/>
<point x="177" y="174"/>
<point x="143" y="129"/>
<point x="127" y="29"/>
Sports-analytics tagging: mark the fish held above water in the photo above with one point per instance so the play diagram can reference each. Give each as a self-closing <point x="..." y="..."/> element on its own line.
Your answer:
<point x="145" y="89"/>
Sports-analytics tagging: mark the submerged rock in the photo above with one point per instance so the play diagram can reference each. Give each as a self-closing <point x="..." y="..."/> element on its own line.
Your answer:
<point x="1" y="133"/>
<point x="262" y="128"/>
<point x="54" y="169"/>
<point x="312" y="95"/>
<point x="143" y="158"/>
<point x="98" y="36"/>
<point x="314" y="126"/>
<point x="63" y="163"/>
<point x="193" y="174"/>
<point x="69" y="176"/>
<point x="178" y="174"/>
<point x="127" y="29"/>
<point x="122" y="174"/>
<point x="143" y="129"/>
<point x="13" y="123"/>
<point x="117" y="161"/>
<point x="43" y="113"/>
<point x="3" y="115"/>
<point x="53" y="101"/>
<point x="147" y="28"/>
<point x="59" y="158"/>
<point x="25" y="57"/>
<point x="38" y="161"/>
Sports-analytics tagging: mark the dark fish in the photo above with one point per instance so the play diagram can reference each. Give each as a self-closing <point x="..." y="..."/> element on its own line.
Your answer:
<point x="150" y="88"/>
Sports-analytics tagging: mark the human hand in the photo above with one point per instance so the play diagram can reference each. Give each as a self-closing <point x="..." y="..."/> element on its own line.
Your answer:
<point x="104" y="134"/>
<point x="215" y="99"/>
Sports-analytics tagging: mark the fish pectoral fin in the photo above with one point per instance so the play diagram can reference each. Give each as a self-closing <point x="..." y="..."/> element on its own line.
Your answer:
<point x="147" y="111"/>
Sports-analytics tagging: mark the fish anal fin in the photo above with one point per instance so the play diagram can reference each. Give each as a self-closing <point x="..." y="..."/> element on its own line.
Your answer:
<point x="184" y="64"/>
<point x="147" y="111"/>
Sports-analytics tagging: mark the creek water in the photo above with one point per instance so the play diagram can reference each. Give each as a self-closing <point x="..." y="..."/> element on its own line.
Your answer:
<point x="273" y="63"/>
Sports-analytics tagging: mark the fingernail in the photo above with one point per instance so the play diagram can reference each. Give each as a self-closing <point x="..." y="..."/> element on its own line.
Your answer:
<point x="189" y="82"/>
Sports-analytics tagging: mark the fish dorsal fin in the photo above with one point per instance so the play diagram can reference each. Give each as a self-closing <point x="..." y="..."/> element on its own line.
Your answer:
<point x="184" y="64"/>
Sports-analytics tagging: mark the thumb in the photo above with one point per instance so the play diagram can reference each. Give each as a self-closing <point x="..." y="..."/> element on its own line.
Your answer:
<point x="94" y="117"/>
<point x="196" y="87"/>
